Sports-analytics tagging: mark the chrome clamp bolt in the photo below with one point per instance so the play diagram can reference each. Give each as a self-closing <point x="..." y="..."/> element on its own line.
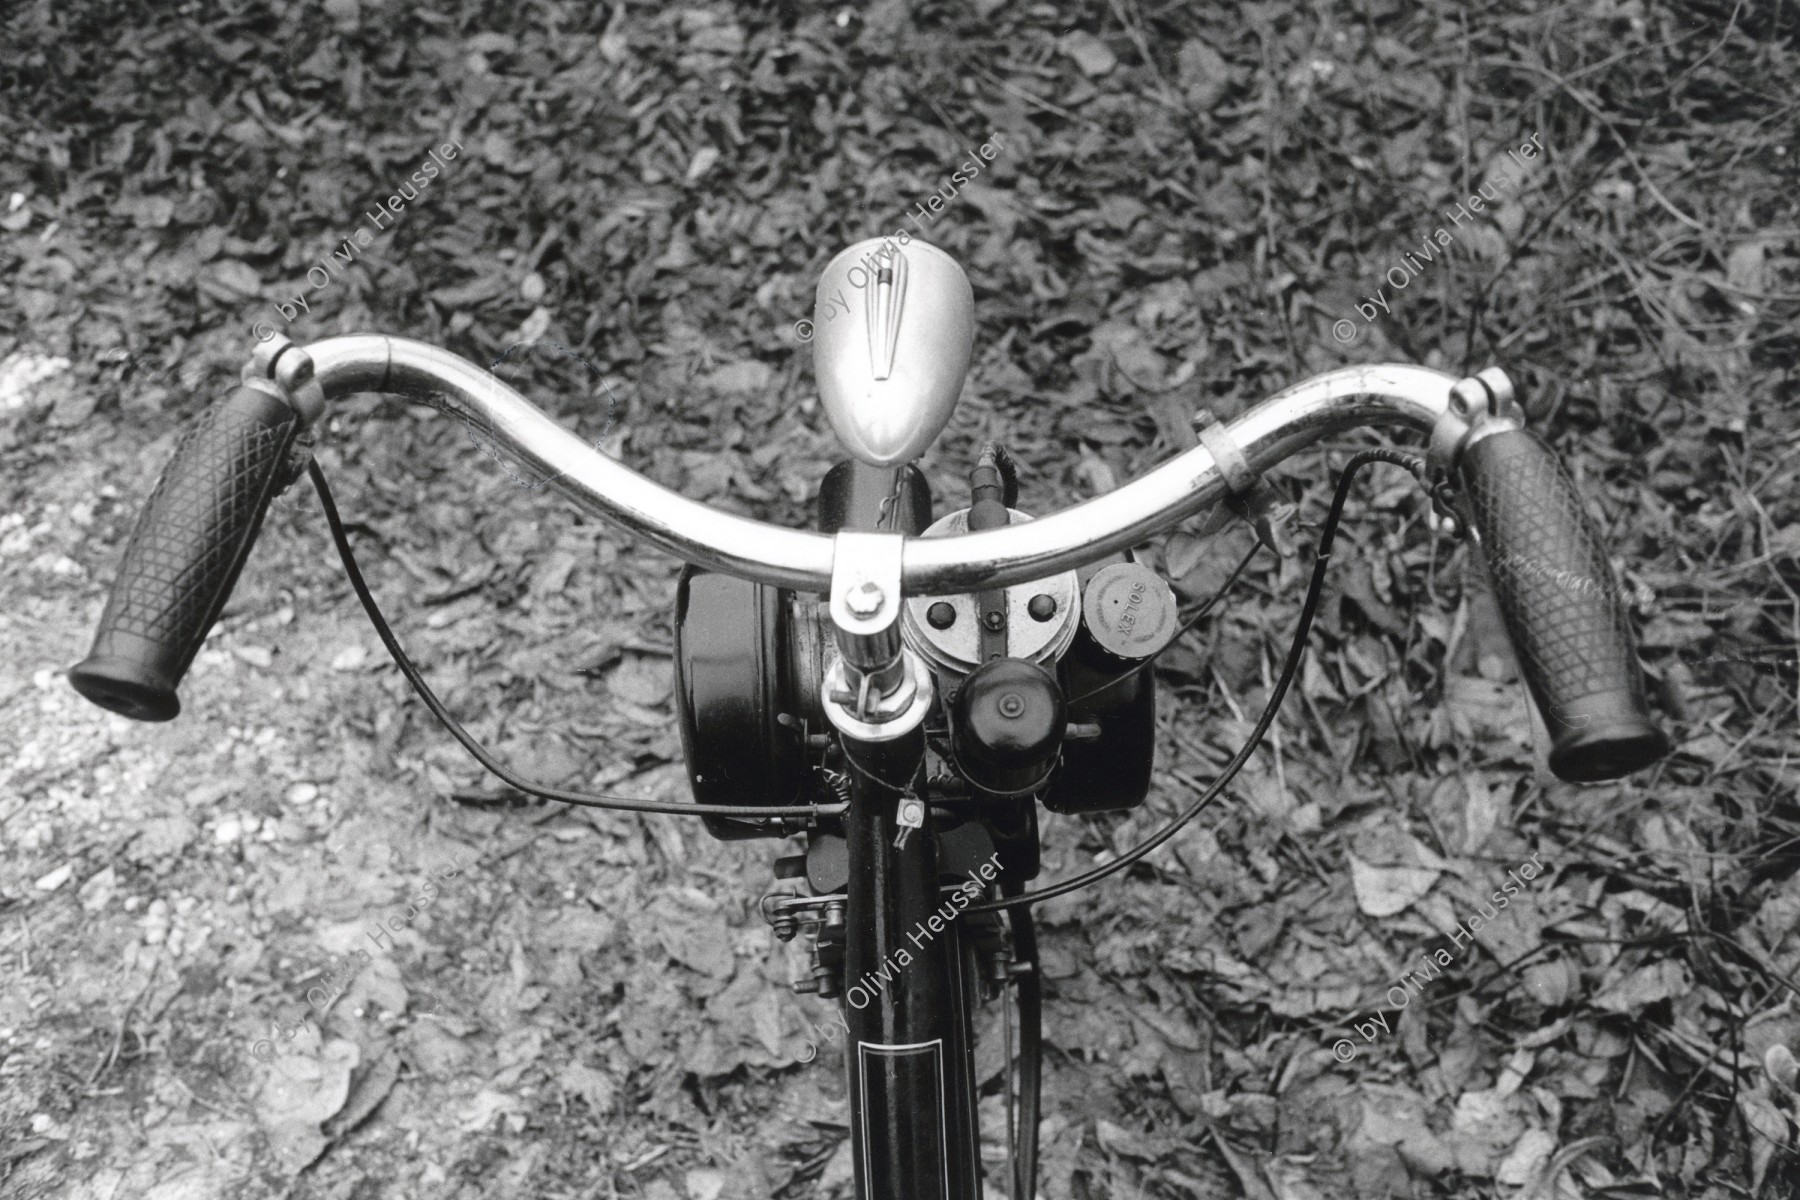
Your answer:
<point x="865" y="598"/>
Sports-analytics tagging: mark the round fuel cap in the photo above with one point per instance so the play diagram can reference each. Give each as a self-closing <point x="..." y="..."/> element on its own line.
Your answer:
<point x="1129" y="611"/>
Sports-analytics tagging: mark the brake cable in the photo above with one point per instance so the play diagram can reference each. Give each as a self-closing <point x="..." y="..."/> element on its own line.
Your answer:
<point x="584" y="799"/>
<point x="1296" y="651"/>
<point x="1413" y="464"/>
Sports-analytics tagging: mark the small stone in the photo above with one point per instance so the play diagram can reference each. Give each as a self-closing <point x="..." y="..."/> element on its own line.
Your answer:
<point x="350" y="658"/>
<point x="534" y="327"/>
<point x="532" y="288"/>
<point x="302" y="793"/>
<point x="56" y="878"/>
<point x="1090" y="53"/>
<point x="228" y="831"/>
<point x="345" y="14"/>
<point x="256" y="656"/>
<point x="703" y="161"/>
<point x="98" y="891"/>
<point x="73" y="407"/>
<point x="704" y="1184"/>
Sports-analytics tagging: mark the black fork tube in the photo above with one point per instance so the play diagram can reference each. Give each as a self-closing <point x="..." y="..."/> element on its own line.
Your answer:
<point x="912" y="1104"/>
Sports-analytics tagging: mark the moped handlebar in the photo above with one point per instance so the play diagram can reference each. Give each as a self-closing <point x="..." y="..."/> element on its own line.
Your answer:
<point x="1336" y="402"/>
<point x="1575" y="645"/>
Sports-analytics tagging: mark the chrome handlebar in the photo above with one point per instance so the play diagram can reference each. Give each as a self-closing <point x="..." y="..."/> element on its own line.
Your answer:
<point x="1419" y="398"/>
<point x="1552" y="578"/>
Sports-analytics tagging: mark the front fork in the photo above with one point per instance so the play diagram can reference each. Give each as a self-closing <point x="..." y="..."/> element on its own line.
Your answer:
<point x="912" y="1099"/>
<point x="913" y="1125"/>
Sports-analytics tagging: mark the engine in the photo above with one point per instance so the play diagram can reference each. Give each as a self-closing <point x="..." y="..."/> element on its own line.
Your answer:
<point x="1037" y="692"/>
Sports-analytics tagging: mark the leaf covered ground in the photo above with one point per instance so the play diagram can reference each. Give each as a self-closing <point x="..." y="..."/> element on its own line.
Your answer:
<point x="1194" y="207"/>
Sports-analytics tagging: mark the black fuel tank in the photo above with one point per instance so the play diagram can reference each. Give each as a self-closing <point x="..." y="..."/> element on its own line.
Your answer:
<point x="730" y="639"/>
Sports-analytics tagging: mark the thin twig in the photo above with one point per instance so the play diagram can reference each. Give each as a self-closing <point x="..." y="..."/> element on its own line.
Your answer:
<point x="1593" y="109"/>
<point x="119" y="1031"/>
<point x="1135" y="32"/>
<point x="1022" y="94"/>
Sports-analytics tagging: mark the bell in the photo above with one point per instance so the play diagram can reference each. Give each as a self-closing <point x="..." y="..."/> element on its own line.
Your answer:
<point x="1010" y="721"/>
<point x="893" y="329"/>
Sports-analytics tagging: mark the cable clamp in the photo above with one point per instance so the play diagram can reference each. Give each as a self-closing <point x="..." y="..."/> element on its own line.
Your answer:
<point x="1443" y="501"/>
<point x="1248" y="495"/>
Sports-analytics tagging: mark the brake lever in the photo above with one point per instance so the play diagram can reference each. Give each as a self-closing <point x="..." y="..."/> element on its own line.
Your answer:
<point x="1267" y="513"/>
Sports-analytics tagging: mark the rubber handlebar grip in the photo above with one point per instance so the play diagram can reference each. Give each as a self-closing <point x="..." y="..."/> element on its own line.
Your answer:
<point x="185" y="554"/>
<point x="1562" y="608"/>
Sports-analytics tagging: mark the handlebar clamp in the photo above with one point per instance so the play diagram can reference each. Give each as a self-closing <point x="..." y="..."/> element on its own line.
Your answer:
<point x="278" y="365"/>
<point x="1481" y="405"/>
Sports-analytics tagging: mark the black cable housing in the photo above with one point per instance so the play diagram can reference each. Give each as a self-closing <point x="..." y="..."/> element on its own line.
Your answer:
<point x="1030" y="985"/>
<point x="808" y="812"/>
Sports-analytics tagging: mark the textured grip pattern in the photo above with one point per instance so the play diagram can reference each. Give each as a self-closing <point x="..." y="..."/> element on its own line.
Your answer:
<point x="1562" y="607"/>
<point x="185" y="553"/>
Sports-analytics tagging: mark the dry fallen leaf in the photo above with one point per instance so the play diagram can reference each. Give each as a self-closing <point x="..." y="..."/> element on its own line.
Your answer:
<point x="1527" y="1158"/>
<point x="1183" y="553"/>
<point x="370" y="1087"/>
<point x="642" y="680"/>
<point x="1657" y="981"/>
<point x="486" y="1105"/>
<point x="1204" y="74"/>
<point x="434" y="1050"/>
<point x="303" y="1090"/>
<point x="1486" y="1124"/>
<point x="1384" y="891"/>
<point x="1089" y="53"/>
<point x="592" y="1085"/>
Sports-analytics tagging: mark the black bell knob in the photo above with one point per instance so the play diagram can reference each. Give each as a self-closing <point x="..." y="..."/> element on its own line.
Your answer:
<point x="1010" y="717"/>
